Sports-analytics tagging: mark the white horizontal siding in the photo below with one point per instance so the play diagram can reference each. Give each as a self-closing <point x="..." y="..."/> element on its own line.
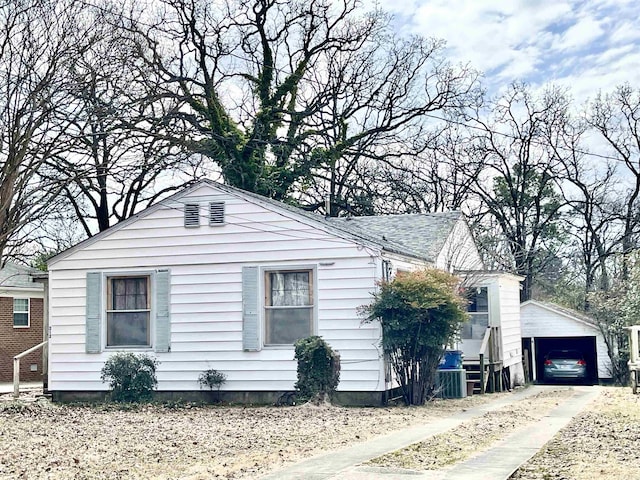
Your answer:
<point x="206" y="293"/>
<point x="510" y="323"/>
<point x="538" y="322"/>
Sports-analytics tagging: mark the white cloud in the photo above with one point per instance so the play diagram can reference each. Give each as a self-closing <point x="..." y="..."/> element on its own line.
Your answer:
<point x="587" y="45"/>
<point x="581" y="34"/>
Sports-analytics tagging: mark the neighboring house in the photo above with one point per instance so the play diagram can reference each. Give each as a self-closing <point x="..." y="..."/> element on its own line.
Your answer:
<point x="546" y="327"/>
<point x="215" y="277"/>
<point x="21" y="317"/>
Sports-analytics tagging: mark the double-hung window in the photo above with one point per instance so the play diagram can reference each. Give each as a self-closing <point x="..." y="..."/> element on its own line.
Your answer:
<point x="128" y="311"/>
<point x="21" y="312"/>
<point x="478" y="310"/>
<point x="289" y="306"/>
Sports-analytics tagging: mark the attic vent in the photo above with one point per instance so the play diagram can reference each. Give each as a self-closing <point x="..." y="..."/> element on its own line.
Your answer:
<point x="216" y="213"/>
<point x="192" y="215"/>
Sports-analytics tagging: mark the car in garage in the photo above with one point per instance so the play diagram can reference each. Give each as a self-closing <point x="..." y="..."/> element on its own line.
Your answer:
<point x="564" y="365"/>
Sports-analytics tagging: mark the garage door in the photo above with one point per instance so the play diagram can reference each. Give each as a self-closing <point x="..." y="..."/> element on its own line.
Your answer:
<point x="586" y="345"/>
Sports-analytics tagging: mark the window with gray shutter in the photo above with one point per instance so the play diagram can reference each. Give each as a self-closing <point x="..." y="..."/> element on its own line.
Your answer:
<point x="250" y="317"/>
<point x="163" y="315"/>
<point x="93" y="312"/>
<point x="191" y="215"/>
<point x="216" y="213"/>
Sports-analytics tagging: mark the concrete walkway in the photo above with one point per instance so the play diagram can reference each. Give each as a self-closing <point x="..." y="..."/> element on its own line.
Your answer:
<point x="7" y="387"/>
<point x="497" y="463"/>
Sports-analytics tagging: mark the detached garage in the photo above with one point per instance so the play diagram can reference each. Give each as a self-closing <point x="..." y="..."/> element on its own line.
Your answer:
<point x="546" y="327"/>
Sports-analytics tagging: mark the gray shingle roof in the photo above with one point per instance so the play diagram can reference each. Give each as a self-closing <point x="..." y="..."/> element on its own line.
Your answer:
<point x="421" y="235"/>
<point x="13" y="275"/>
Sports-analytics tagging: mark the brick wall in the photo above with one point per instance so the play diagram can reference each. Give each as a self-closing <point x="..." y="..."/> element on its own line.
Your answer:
<point x="16" y="340"/>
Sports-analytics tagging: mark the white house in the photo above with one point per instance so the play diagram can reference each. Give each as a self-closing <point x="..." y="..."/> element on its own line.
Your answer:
<point x="546" y="327"/>
<point x="215" y="277"/>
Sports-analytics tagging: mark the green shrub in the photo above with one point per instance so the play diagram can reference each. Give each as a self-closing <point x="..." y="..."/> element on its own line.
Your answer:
<point x="211" y="379"/>
<point x="318" y="368"/>
<point x="131" y="377"/>
<point x="420" y="312"/>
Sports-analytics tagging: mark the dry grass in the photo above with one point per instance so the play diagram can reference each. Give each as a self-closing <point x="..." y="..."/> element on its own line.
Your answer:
<point x="602" y="442"/>
<point x="39" y="440"/>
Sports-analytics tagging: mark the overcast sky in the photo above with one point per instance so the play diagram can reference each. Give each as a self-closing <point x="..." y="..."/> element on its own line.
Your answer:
<point x="586" y="45"/>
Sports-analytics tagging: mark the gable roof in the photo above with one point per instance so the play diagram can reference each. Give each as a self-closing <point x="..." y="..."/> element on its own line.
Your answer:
<point x="564" y="311"/>
<point x="420" y="236"/>
<point x="18" y="276"/>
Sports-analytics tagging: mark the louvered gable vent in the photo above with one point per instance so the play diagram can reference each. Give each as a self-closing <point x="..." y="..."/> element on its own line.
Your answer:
<point x="216" y="213"/>
<point x="192" y="215"/>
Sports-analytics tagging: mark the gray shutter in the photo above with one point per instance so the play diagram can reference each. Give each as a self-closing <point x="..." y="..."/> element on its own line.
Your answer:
<point x="94" y="311"/>
<point x="250" y="317"/>
<point x="163" y="317"/>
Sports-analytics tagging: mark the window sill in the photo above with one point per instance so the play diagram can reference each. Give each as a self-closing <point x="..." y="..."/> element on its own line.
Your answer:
<point x="145" y="348"/>
<point x="21" y="327"/>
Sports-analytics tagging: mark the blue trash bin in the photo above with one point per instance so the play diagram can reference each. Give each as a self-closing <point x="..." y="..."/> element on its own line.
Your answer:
<point x="451" y="359"/>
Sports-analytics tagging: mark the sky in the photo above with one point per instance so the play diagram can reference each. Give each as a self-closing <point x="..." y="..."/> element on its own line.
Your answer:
<point x="587" y="46"/>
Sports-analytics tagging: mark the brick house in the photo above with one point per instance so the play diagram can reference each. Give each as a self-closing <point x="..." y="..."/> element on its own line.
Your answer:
<point x="21" y="322"/>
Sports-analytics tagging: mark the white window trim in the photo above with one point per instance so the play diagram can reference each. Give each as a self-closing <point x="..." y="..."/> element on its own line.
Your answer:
<point x="262" y="294"/>
<point x="152" y="309"/>
<point x="28" y="325"/>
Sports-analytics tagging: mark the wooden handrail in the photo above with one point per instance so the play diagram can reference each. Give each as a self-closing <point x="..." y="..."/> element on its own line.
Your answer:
<point x="16" y="367"/>
<point x="485" y="341"/>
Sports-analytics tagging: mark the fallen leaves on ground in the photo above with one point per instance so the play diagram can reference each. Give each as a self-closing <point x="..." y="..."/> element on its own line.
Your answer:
<point x="40" y="440"/>
<point x="602" y="442"/>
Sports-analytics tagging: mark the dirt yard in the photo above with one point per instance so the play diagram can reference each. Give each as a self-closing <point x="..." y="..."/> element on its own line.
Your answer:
<point x="602" y="442"/>
<point x="40" y="440"/>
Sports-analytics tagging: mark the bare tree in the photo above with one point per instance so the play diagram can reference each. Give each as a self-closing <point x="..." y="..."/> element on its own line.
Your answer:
<point x="593" y="219"/>
<point x="518" y="188"/>
<point x="117" y="161"/>
<point x="277" y="92"/>
<point x="616" y="117"/>
<point x="34" y="44"/>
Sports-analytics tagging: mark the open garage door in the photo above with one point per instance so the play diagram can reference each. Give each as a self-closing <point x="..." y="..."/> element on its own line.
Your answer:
<point x="586" y="345"/>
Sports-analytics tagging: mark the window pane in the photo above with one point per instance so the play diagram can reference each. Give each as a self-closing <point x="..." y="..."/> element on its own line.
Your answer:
<point x="128" y="328"/>
<point x="129" y="293"/>
<point x="20" y="304"/>
<point x="20" y="319"/>
<point x="476" y="327"/>
<point x="479" y="300"/>
<point x="289" y="289"/>
<point x="286" y="325"/>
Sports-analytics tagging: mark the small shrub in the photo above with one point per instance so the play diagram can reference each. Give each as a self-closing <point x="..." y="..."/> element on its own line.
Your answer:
<point x="211" y="379"/>
<point x="131" y="377"/>
<point x="420" y="312"/>
<point x="318" y="368"/>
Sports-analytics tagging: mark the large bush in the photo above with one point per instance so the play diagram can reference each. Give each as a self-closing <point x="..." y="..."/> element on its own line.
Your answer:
<point x="420" y="313"/>
<point x="318" y="368"/>
<point x="131" y="377"/>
